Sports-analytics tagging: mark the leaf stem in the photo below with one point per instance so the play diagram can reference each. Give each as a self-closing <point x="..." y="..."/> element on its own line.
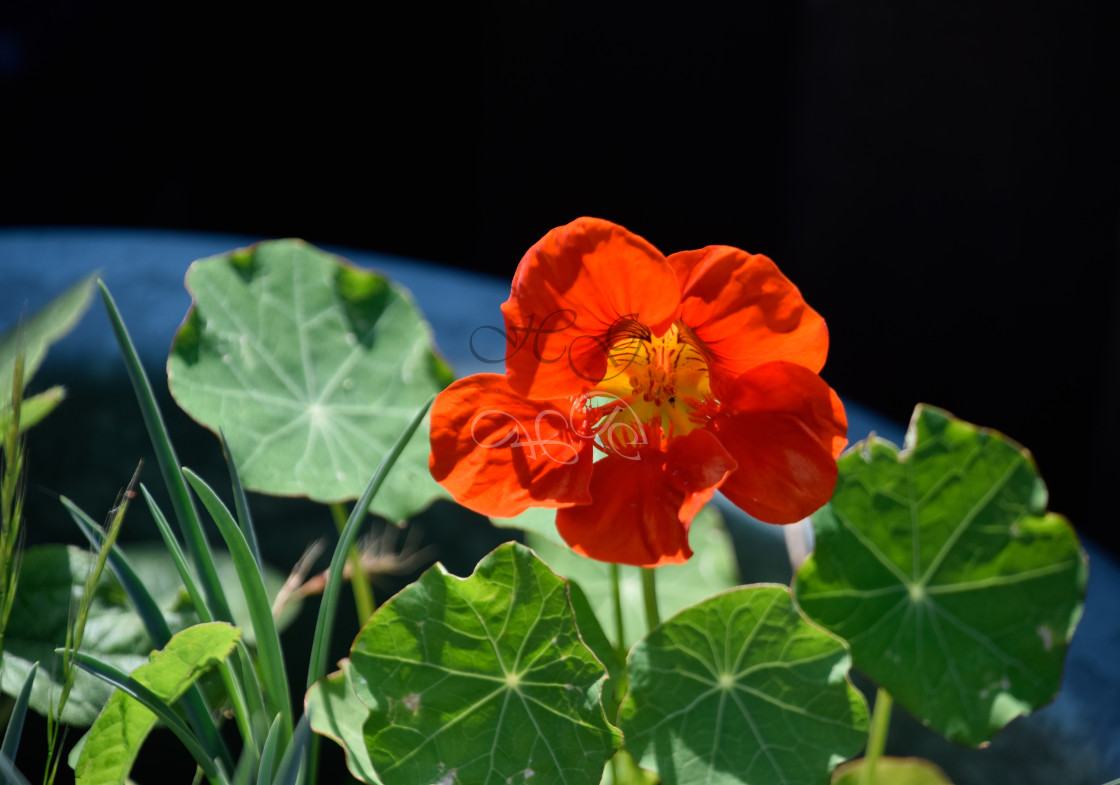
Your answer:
<point x="649" y="594"/>
<point x="359" y="582"/>
<point x="877" y="741"/>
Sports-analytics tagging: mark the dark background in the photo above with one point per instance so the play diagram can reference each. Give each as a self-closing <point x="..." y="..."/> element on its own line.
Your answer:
<point x="939" y="178"/>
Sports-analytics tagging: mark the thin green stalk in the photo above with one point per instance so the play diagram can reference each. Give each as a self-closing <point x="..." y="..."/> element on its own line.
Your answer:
<point x="649" y="594"/>
<point x="241" y="503"/>
<point x="619" y="630"/>
<point x="75" y="632"/>
<point x="877" y="741"/>
<point x="359" y="581"/>
<point x="324" y="623"/>
<point x="11" y="502"/>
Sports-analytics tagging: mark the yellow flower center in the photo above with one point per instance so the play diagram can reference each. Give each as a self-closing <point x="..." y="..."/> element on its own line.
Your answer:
<point x="654" y="386"/>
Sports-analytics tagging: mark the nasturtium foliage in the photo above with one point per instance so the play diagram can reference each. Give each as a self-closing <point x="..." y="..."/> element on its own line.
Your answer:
<point x="483" y="680"/>
<point x="711" y="569"/>
<point x="113" y="742"/>
<point x="311" y="367"/>
<point x="741" y="690"/>
<point x="335" y="712"/>
<point x="939" y="565"/>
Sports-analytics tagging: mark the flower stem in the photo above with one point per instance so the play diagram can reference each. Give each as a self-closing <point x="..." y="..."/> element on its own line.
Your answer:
<point x="359" y="582"/>
<point x="877" y="741"/>
<point x="649" y="593"/>
<point x="619" y="630"/>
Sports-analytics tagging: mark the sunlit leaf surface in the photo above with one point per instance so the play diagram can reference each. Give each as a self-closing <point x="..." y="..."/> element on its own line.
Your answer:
<point x="740" y="690"/>
<point x="311" y="367"/>
<point x="940" y="566"/>
<point x="335" y="711"/>
<point x="120" y="729"/>
<point x="481" y="680"/>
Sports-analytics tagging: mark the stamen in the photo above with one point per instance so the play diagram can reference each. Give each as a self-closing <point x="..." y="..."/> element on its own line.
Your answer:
<point x="660" y="381"/>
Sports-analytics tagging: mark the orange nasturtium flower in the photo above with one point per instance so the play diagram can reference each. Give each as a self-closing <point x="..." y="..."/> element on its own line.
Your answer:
<point x="636" y="385"/>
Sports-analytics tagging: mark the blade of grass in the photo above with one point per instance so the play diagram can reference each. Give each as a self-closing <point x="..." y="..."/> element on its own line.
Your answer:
<point x="324" y="624"/>
<point x="19" y="712"/>
<point x="11" y="773"/>
<point x="194" y="706"/>
<point x="244" y="690"/>
<point x="269" y="754"/>
<point x="130" y="686"/>
<point x="142" y="601"/>
<point x="252" y="719"/>
<point x="273" y="674"/>
<point x="241" y="503"/>
<point x="288" y="771"/>
<point x="359" y="581"/>
<point x="177" y="555"/>
<point x="181" y="501"/>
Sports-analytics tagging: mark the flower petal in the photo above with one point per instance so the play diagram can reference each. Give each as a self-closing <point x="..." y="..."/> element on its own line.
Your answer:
<point x="499" y="454"/>
<point x="785" y="427"/>
<point x="746" y="312"/>
<point x="643" y="507"/>
<point x="569" y="289"/>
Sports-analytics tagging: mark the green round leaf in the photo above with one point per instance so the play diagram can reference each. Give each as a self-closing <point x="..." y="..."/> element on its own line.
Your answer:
<point x="482" y="680"/>
<point x="334" y="711"/>
<point x="740" y="690"/>
<point x="956" y="591"/>
<point x="312" y="368"/>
